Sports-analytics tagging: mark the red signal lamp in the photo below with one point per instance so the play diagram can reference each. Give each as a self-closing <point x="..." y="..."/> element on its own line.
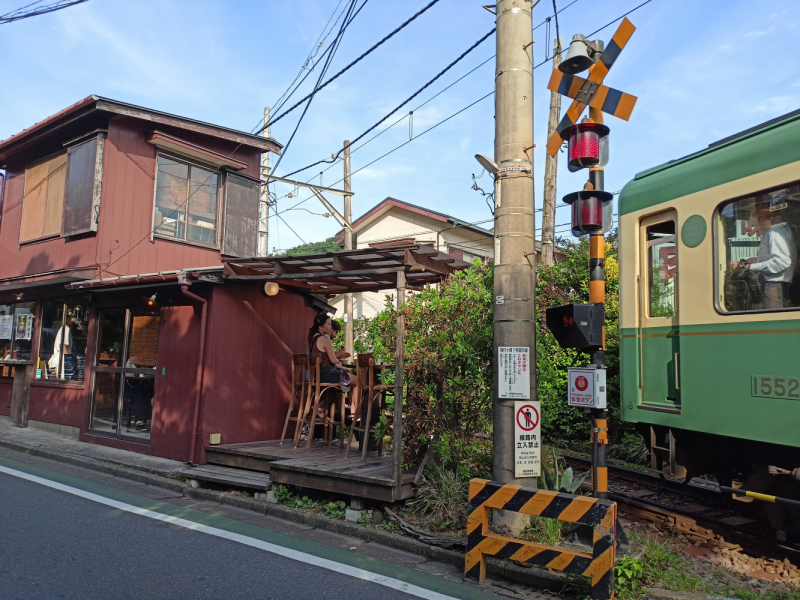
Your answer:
<point x="586" y="142"/>
<point x="587" y="210"/>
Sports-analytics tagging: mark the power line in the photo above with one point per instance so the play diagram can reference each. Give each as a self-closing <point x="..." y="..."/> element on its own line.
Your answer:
<point x="404" y="102"/>
<point x="18" y="14"/>
<point x="331" y="54"/>
<point x="431" y="128"/>
<point x="353" y="63"/>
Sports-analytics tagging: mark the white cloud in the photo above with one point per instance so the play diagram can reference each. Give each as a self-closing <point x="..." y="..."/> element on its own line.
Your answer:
<point x="755" y="34"/>
<point x="774" y="106"/>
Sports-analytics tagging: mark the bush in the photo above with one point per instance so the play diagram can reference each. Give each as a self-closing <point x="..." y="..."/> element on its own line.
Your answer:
<point x="443" y="495"/>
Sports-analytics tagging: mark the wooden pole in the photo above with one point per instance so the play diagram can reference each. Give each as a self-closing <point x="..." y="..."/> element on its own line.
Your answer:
<point x="348" y="245"/>
<point x="550" y="172"/>
<point x="399" y="368"/>
<point x="21" y="394"/>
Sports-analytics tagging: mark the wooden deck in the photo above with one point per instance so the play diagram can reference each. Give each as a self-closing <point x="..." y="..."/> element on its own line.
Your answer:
<point x="235" y="477"/>
<point x="321" y="467"/>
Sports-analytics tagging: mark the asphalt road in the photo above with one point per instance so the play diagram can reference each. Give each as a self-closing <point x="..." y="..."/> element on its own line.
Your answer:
<point x="54" y="544"/>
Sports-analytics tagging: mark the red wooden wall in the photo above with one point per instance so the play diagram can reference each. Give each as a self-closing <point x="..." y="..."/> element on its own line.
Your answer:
<point x="126" y="213"/>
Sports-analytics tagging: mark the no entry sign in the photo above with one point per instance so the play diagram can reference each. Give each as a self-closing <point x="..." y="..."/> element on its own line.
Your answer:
<point x="527" y="438"/>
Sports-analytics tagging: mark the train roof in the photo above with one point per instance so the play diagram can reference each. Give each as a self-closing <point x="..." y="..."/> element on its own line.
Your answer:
<point x="760" y="148"/>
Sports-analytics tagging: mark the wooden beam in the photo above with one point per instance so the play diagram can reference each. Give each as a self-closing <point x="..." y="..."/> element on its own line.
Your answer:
<point x="321" y="275"/>
<point x="427" y="263"/>
<point x="21" y="394"/>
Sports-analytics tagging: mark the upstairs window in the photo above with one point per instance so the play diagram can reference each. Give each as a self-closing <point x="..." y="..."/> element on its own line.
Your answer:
<point x="758" y="241"/>
<point x="186" y="203"/>
<point x="62" y="193"/>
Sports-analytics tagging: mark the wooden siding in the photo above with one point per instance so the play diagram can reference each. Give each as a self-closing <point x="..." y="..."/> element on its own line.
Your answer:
<point x="250" y="343"/>
<point x="126" y="213"/>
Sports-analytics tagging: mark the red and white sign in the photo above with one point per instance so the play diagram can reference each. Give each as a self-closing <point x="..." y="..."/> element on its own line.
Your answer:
<point x="587" y="388"/>
<point x="514" y="372"/>
<point x="527" y="438"/>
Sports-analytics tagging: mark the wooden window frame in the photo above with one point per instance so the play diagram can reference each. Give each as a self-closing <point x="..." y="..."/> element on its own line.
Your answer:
<point x="220" y="200"/>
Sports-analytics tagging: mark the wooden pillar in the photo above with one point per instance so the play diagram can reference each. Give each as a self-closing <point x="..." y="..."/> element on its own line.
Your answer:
<point x="21" y="394"/>
<point x="399" y="367"/>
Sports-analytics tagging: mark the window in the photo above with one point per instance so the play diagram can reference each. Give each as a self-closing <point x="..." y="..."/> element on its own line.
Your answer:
<point x="62" y="193"/>
<point x="662" y="269"/>
<point x="16" y="331"/>
<point x="186" y="201"/>
<point x="758" y="238"/>
<point x="63" y="340"/>
<point x="43" y="202"/>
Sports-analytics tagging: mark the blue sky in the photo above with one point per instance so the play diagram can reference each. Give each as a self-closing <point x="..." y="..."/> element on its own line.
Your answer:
<point x="702" y="70"/>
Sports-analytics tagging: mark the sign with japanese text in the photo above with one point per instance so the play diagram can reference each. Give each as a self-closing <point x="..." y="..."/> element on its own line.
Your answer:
<point x="6" y="326"/>
<point x="587" y="388"/>
<point x="514" y="372"/>
<point x="527" y="438"/>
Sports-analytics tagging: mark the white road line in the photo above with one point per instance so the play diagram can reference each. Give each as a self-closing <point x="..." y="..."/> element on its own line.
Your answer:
<point x="310" y="559"/>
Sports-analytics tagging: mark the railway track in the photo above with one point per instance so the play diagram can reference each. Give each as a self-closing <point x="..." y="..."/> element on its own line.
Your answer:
<point x="699" y="512"/>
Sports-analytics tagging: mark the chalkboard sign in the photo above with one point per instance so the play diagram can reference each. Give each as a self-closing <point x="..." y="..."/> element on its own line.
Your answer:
<point x="69" y="366"/>
<point x="80" y="367"/>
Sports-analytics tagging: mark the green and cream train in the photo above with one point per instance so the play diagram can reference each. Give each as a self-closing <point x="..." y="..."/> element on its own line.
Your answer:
<point x="710" y="308"/>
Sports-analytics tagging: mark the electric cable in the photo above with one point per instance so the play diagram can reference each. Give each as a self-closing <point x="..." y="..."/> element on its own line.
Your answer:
<point x="18" y="15"/>
<point x="404" y="102"/>
<point x="354" y="62"/>
<point x="331" y="54"/>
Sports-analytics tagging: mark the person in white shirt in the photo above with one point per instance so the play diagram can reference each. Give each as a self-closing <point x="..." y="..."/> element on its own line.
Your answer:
<point x="777" y="256"/>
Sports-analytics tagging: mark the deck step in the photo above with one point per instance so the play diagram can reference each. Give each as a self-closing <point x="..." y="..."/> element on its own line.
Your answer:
<point x="227" y="476"/>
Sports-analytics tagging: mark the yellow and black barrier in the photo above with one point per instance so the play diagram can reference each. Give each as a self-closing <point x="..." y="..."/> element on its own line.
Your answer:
<point x="601" y="515"/>
<point x="762" y="497"/>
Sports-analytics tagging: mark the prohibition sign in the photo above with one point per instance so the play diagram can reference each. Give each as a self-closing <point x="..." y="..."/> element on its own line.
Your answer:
<point x="527" y="417"/>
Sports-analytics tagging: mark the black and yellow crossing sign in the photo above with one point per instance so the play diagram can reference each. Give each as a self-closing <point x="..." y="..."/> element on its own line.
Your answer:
<point x="601" y="515"/>
<point x="591" y="91"/>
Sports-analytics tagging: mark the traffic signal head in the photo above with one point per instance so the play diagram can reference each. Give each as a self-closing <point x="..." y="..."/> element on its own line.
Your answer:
<point x="577" y="325"/>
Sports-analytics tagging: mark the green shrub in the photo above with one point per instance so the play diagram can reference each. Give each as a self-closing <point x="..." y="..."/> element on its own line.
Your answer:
<point x="335" y="510"/>
<point x="443" y="495"/>
<point x="628" y="574"/>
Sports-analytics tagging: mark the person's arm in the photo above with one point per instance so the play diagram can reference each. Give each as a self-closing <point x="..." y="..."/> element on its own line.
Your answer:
<point x="779" y="257"/>
<point x="342" y="354"/>
<point x="327" y="347"/>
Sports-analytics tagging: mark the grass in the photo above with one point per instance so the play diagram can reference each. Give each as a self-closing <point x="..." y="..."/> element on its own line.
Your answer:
<point x="443" y="496"/>
<point x="544" y="531"/>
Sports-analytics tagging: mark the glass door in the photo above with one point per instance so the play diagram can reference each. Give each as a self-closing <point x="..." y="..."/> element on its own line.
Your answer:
<point x="125" y="372"/>
<point x="659" y="324"/>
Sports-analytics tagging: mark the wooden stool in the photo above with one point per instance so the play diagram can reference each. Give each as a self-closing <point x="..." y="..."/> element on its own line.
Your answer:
<point x="310" y="410"/>
<point x="370" y="393"/>
<point x="299" y="384"/>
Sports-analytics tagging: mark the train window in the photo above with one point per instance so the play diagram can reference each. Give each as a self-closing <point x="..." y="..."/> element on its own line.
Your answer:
<point x="662" y="261"/>
<point x="758" y="248"/>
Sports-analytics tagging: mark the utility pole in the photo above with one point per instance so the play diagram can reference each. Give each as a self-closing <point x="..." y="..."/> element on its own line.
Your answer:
<point x="263" y="207"/>
<point x="550" y="172"/>
<point x="514" y="256"/>
<point x="348" y="245"/>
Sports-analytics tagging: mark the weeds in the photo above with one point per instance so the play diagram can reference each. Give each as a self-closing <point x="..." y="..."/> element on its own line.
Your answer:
<point x="287" y="498"/>
<point x="335" y="510"/>
<point x="545" y="531"/>
<point x="628" y="577"/>
<point x="632" y="449"/>
<point x="443" y="495"/>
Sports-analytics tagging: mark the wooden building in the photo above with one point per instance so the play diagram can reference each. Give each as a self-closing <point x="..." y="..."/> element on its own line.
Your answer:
<point x="116" y="324"/>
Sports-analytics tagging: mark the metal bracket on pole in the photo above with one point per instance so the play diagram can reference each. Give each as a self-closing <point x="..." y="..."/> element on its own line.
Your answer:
<point x="317" y="189"/>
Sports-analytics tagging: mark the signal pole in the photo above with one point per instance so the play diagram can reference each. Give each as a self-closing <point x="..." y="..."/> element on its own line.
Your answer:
<point x="551" y="172"/>
<point x="514" y="255"/>
<point x="348" y="245"/>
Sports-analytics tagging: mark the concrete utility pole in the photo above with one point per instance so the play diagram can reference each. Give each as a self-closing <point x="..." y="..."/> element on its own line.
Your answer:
<point x="263" y="207"/>
<point x="348" y="245"/>
<point x="514" y="257"/>
<point x="551" y="171"/>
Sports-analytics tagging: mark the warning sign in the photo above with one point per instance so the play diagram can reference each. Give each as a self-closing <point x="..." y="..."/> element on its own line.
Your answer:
<point x="514" y="372"/>
<point x="527" y="438"/>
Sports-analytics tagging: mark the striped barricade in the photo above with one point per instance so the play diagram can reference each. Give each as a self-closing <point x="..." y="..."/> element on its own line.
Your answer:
<point x="601" y="515"/>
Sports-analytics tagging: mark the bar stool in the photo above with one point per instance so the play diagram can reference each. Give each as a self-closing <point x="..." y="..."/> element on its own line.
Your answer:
<point x="370" y="393"/>
<point x="299" y="383"/>
<point x="318" y="389"/>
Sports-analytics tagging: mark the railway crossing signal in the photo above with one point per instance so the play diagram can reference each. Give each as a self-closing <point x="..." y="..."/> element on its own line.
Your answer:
<point x="591" y="92"/>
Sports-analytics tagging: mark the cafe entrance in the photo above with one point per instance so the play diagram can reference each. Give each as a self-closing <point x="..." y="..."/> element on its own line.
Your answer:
<point x="124" y="373"/>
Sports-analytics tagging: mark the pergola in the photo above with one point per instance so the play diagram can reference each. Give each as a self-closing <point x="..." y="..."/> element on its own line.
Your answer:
<point x="367" y="270"/>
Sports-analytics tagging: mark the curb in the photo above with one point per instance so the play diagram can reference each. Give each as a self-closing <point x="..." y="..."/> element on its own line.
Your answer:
<point x="532" y="576"/>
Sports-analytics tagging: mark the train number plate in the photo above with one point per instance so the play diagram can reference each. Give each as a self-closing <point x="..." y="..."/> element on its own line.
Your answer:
<point x="763" y="386"/>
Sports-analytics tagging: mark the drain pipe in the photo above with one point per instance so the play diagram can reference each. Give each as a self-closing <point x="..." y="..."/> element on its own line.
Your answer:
<point x="185" y="283"/>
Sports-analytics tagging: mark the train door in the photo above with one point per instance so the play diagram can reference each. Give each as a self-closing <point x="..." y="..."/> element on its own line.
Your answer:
<point x="659" y="331"/>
